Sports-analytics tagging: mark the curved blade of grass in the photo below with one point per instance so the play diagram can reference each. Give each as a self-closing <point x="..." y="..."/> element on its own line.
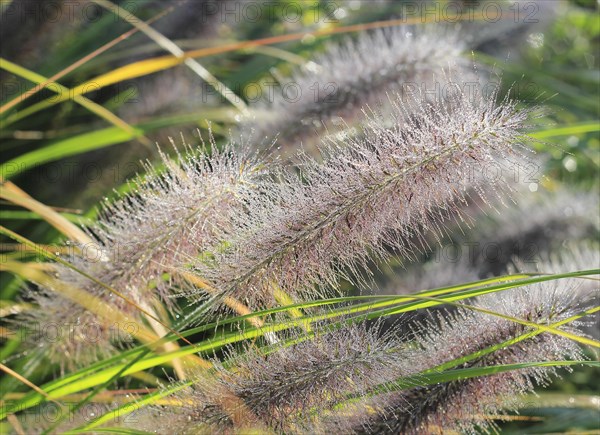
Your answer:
<point x="172" y="48"/>
<point x="62" y="224"/>
<point x="304" y="305"/>
<point x="25" y="367"/>
<point x="128" y="408"/>
<point x="99" y="139"/>
<point x="65" y="93"/>
<point x="79" y="381"/>
<point x="66" y="147"/>
<point x="28" y="215"/>
<point x="421" y="380"/>
<point x="278" y="53"/>
<point x="120" y="430"/>
<point x="564" y="400"/>
<point x="207" y="327"/>
<point x="150" y="66"/>
<point x="77" y="64"/>
<point x="572" y="129"/>
<point x="23" y="380"/>
<point x="210" y="345"/>
<point x="494" y="288"/>
<point x="465" y="291"/>
<point x="378" y="301"/>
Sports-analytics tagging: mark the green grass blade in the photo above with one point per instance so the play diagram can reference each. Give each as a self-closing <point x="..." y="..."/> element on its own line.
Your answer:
<point x="573" y="129"/>
<point x="128" y="408"/>
<point x="94" y="140"/>
<point x="387" y="306"/>
<point x="67" y="147"/>
<point x="421" y="380"/>
<point x="26" y="215"/>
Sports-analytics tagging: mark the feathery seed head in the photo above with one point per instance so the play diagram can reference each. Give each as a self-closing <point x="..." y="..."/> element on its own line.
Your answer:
<point x="463" y="405"/>
<point x="357" y="73"/>
<point x="534" y="225"/>
<point x="385" y="189"/>
<point x="174" y="216"/>
<point x="286" y="389"/>
<point x="64" y="332"/>
<point x="147" y="239"/>
<point x="538" y="223"/>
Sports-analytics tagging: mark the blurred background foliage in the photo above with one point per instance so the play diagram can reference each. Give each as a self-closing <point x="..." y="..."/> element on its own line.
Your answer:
<point x="70" y="149"/>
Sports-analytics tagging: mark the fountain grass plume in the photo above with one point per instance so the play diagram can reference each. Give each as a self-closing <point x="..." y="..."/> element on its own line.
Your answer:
<point x="176" y="214"/>
<point x="469" y="405"/>
<point x="399" y="181"/>
<point x="285" y="388"/>
<point x="145" y="239"/>
<point x="356" y="73"/>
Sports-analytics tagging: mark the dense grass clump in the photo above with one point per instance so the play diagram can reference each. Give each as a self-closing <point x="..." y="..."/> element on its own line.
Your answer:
<point x="397" y="249"/>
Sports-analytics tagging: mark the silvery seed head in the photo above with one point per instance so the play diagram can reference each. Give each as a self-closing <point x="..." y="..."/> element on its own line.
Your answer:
<point x="329" y="92"/>
<point x="469" y="405"/>
<point x="397" y="182"/>
<point x="143" y="242"/>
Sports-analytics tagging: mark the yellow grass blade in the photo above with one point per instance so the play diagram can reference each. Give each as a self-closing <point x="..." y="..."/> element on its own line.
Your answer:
<point x="65" y="93"/>
<point x="25" y="381"/>
<point x="10" y="192"/>
<point x="278" y="53"/>
<point x="14" y="422"/>
<point x="156" y="64"/>
<point x="232" y="303"/>
<point x="171" y="47"/>
<point x="80" y="62"/>
<point x="538" y="326"/>
<point x="284" y="299"/>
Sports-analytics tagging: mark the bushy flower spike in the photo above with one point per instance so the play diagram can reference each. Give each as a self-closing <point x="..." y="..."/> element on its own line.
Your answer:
<point x="386" y="189"/>
<point x="174" y="216"/>
<point x="464" y="405"/>
<point x="65" y="332"/>
<point x="74" y="332"/>
<point x="146" y="239"/>
<point x="538" y="223"/>
<point x="354" y="74"/>
<point x="534" y="225"/>
<point x="286" y="389"/>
